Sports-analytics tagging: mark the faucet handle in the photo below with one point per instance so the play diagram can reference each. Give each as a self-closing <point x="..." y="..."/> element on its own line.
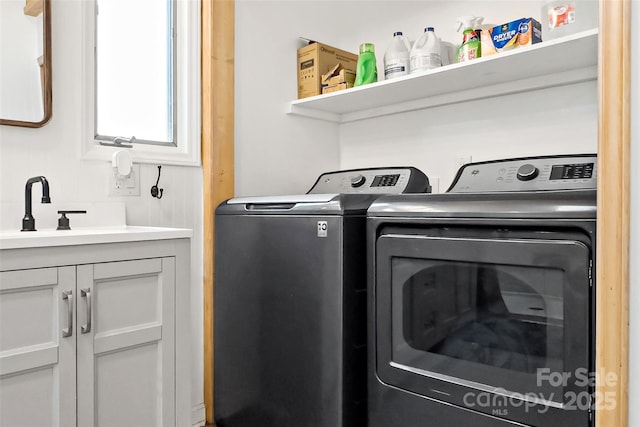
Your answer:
<point x="63" y="221"/>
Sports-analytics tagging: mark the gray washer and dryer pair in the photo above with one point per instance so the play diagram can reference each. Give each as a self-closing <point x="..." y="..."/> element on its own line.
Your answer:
<point x="290" y="302"/>
<point x="481" y="300"/>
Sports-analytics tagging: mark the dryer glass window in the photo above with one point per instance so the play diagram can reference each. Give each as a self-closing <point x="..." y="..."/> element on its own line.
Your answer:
<point x="506" y="317"/>
<point x="457" y="314"/>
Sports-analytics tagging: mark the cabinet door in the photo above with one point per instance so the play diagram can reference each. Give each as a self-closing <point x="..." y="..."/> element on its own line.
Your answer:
<point x="37" y="348"/>
<point x="126" y="370"/>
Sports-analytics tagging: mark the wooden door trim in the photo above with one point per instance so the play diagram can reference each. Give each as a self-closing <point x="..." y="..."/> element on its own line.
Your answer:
<point x="218" y="32"/>
<point x="612" y="253"/>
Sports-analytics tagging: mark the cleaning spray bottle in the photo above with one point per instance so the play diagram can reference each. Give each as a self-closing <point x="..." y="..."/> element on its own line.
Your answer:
<point x="471" y="46"/>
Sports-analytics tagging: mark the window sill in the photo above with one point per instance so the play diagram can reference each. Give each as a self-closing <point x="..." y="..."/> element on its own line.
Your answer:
<point x="146" y="154"/>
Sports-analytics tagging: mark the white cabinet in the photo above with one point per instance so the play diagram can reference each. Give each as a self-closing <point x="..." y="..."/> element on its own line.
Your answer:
<point x="37" y="364"/>
<point x="102" y="334"/>
<point x="125" y="360"/>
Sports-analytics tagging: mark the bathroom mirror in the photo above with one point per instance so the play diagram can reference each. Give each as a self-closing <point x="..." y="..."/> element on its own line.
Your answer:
<point x="25" y="62"/>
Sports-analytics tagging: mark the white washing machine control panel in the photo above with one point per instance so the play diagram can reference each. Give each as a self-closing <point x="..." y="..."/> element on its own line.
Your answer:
<point x="528" y="174"/>
<point x="394" y="180"/>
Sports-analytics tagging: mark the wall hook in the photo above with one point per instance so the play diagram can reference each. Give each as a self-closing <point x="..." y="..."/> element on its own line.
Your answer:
<point x="155" y="191"/>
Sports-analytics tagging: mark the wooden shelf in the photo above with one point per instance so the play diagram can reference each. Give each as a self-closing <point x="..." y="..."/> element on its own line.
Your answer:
<point x="566" y="60"/>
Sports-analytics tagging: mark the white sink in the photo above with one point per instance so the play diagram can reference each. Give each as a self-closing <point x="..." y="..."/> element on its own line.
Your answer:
<point x="87" y="236"/>
<point x="103" y="223"/>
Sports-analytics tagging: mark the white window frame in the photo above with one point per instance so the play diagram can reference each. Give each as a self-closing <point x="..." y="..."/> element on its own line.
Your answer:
<point x="187" y="98"/>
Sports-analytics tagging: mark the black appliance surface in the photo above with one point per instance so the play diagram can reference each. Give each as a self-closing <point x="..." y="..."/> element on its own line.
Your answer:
<point x="481" y="298"/>
<point x="290" y="302"/>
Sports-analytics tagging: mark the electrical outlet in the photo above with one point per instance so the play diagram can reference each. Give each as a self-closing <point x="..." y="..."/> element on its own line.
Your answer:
<point x="129" y="186"/>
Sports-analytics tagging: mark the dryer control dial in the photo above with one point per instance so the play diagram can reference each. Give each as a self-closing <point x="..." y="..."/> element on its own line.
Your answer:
<point x="357" y="181"/>
<point x="527" y="172"/>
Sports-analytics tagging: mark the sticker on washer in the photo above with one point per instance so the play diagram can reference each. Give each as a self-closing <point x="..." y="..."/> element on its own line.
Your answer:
<point x="322" y="228"/>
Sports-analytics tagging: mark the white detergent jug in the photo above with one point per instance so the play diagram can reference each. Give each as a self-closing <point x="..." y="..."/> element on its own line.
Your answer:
<point x="425" y="53"/>
<point x="396" y="57"/>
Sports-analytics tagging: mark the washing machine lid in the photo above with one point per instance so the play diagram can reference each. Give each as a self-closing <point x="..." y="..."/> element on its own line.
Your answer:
<point x="570" y="204"/>
<point x="342" y="192"/>
<point x="301" y="204"/>
<point x="299" y="198"/>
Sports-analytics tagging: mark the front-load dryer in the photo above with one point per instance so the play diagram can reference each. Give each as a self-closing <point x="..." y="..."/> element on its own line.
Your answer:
<point x="481" y="300"/>
<point x="290" y="302"/>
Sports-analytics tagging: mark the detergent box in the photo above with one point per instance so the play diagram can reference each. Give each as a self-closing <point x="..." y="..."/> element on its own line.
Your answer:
<point x="317" y="59"/>
<point x="518" y="33"/>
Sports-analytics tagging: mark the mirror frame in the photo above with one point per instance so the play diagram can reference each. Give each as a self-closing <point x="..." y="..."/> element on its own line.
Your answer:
<point x="46" y="74"/>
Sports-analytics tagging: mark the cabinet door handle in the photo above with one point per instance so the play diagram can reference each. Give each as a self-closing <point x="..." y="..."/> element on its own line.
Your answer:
<point x="68" y="331"/>
<point x="86" y="293"/>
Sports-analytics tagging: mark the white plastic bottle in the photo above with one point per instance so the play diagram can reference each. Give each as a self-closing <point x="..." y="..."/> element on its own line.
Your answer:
<point x="396" y="57"/>
<point x="425" y="53"/>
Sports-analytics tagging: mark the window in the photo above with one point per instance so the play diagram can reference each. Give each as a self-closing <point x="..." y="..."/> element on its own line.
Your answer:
<point x="134" y="70"/>
<point x="142" y="79"/>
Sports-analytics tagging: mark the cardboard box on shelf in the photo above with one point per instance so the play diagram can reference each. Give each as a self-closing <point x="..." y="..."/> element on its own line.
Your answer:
<point x="518" y="33"/>
<point x="337" y="87"/>
<point x="316" y="60"/>
<point x="338" y="74"/>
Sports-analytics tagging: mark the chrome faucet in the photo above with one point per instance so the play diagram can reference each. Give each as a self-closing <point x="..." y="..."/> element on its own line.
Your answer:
<point x="29" y="222"/>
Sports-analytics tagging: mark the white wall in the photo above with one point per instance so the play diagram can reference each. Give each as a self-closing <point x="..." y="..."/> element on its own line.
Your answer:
<point x="550" y="121"/>
<point x="634" y="255"/>
<point x="53" y="151"/>
<point x="279" y="154"/>
<point x="276" y="153"/>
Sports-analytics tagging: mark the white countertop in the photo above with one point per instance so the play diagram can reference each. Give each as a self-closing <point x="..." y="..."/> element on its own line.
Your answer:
<point x="87" y="236"/>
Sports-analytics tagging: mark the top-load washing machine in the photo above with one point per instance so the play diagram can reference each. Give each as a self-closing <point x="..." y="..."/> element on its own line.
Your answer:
<point x="481" y="300"/>
<point x="290" y="302"/>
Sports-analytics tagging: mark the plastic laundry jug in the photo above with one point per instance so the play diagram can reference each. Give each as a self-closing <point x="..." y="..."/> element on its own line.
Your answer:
<point x="425" y="53"/>
<point x="396" y="57"/>
<point x="366" y="68"/>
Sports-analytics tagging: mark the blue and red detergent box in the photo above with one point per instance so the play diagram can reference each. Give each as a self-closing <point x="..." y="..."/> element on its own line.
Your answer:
<point x="518" y="33"/>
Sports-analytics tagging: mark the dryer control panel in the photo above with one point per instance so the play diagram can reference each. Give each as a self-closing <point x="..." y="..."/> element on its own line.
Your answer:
<point x="577" y="172"/>
<point x="392" y="180"/>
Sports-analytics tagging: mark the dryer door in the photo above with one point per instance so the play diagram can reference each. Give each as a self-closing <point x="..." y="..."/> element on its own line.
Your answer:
<point x="495" y="325"/>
